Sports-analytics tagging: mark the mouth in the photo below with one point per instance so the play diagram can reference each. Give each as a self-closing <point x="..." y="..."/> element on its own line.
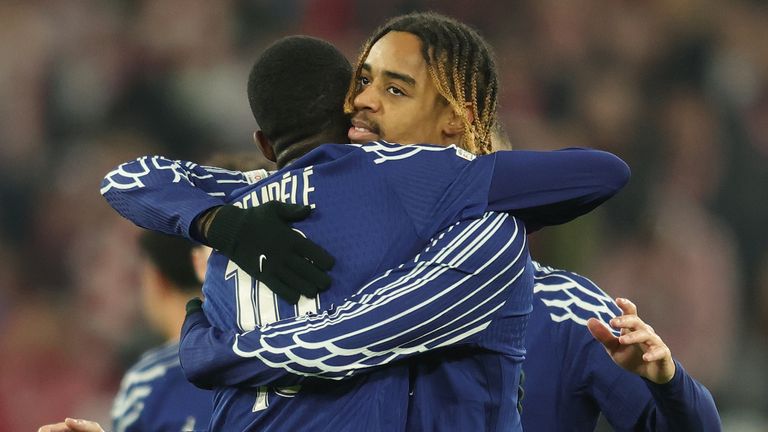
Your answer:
<point x="362" y="132"/>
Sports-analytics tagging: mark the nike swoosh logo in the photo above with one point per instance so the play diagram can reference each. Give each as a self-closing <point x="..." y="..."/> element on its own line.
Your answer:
<point x="262" y="258"/>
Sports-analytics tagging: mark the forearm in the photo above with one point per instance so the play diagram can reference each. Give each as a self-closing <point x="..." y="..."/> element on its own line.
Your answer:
<point x="550" y="188"/>
<point x="208" y="360"/>
<point x="167" y="196"/>
<point x="682" y="404"/>
<point x="444" y="297"/>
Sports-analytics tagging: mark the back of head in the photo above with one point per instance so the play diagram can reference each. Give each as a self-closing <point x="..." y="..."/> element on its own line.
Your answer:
<point x="296" y="90"/>
<point x="462" y="67"/>
<point x="172" y="257"/>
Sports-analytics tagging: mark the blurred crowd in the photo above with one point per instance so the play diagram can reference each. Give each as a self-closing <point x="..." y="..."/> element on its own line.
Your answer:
<point x="677" y="88"/>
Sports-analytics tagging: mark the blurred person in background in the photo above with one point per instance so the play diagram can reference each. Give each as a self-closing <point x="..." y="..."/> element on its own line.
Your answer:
<point x="154" y="394"/>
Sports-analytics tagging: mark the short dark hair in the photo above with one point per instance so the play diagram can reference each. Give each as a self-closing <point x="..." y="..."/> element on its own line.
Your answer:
<point x="296" y="90"/>
<point x="172" y="256"/>
<point x="462" y="67"/>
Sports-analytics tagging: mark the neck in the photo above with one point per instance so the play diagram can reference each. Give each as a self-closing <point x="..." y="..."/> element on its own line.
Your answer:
<point x="293" y="151"/>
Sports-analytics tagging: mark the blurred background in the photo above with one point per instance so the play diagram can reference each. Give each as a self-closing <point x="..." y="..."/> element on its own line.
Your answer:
<point x="677" y="88"/>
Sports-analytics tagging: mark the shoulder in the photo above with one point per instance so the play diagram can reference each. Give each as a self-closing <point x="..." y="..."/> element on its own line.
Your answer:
<point x="384" y="151"/>
<point x="153" y="365"/>
<point x="569" y="297"/>
<point x="158" y="355"/>
<point x="140" y="381"/>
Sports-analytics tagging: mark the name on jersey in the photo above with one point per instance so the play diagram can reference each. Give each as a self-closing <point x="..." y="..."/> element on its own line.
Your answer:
<point x="292" y="187"/>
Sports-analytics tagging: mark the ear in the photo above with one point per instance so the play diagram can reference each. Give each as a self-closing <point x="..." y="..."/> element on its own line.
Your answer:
<point x="199" y="258"/>
<point x="266" y="147"/>
<point x="454" y="126"/>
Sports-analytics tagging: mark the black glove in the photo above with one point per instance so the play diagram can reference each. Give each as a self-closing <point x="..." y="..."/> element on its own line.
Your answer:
<point x="261" y="242"/>
<point x="194" y="305"/>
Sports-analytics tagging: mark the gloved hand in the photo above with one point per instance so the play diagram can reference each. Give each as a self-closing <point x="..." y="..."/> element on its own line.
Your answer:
<point x="194" y="305"/>
<point x="264" y="245"/>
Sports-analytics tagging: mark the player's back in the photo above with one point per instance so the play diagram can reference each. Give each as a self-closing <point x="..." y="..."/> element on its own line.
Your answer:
<point x="374" y="208"/>
<point x="155" y="396"/>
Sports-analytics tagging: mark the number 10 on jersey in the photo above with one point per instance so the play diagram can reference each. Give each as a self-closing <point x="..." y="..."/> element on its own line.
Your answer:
<point x="257" y="305"/>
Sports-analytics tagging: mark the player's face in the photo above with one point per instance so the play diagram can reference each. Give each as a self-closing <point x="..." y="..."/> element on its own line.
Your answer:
<point x="396" y="99"/>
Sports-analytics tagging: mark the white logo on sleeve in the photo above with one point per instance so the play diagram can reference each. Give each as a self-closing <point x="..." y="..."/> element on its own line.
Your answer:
<point x="262" y="258"/>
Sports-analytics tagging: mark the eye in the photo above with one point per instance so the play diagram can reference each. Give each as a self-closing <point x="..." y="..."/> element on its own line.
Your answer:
<point x="363" y="81"/>
<point x="395" y="91"/>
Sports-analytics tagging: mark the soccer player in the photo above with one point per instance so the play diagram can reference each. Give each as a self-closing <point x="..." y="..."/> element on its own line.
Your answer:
<point x="566" y="400"/>
<point x="154" y="394"/>
<point x="491" y="320"/>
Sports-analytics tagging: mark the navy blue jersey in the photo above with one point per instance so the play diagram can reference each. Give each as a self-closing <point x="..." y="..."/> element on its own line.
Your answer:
<point x="375" y="207"/>
<point x="570" y="379"/>
<point x="541" y="188"/>
<point x="466" y="290"/>
<point x="156" y="396"/>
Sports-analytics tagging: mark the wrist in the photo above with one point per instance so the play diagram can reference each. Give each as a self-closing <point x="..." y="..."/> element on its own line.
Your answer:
<point x="202" y="224"/>
<point x="194" y="305"/>
<point x="223" y="227"/>
<point x="669" y="380"/>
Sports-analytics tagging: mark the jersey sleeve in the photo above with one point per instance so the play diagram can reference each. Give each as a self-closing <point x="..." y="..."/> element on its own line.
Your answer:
<point x="438" y="185"/>
<point x="446" y="295"/>
<point x="554" y="187"/>
<point x="681" y="404"/>
<point x="630" y="403"/>
<point x="167" y="195"/>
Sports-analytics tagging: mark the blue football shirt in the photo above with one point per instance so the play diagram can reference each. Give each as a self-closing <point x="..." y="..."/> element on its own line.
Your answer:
<point x="155" y="396"/>
<point x="390" y="201"/>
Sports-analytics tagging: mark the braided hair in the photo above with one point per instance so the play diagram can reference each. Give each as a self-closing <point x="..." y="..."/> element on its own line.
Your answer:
<point x="461" y="65"/>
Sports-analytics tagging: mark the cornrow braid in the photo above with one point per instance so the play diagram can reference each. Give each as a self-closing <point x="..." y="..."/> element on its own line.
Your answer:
<point x="460" y="64"/>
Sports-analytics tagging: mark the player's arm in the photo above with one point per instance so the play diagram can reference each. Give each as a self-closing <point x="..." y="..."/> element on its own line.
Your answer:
<point x="553" y="187"/>
<point x="185" y="199"/>
<point x="540" y="187"/>
<point x="665" y="397"/>
<point x="445" y="296"/>
<point x="168" y="195"/>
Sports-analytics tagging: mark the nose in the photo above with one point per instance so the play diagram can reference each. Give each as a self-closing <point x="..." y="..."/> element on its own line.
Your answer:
<point x="366" y="99"/>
